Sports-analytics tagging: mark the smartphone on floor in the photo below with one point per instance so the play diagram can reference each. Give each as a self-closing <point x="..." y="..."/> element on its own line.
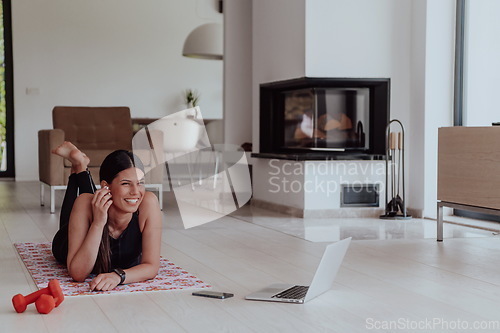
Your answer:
<point x="213" y="294"/>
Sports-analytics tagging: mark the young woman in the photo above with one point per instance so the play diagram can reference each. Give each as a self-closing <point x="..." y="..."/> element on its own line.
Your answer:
<point x="114" y="232"/>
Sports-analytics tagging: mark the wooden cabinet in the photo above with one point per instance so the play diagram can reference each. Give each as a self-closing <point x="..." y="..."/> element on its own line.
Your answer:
<point x="469" y="166"/>
<point x="469" y="169"/>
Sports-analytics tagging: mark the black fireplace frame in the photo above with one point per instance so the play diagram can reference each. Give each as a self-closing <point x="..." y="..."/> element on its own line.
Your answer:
<point x="272" y="115"/>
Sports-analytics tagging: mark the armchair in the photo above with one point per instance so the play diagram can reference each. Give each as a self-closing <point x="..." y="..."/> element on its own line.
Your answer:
<point x="97" y="131"/>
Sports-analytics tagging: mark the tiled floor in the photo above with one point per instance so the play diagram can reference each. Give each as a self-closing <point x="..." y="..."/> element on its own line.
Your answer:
<point x="334" y="229"/>
<point x="393" y="272"/>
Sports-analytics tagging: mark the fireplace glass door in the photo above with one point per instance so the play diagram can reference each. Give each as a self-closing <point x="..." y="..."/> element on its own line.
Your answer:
<point x="335" y="119"/>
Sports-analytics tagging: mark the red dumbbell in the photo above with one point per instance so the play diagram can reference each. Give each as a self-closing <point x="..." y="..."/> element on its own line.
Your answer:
<point x="20" y="302"/>
<point x="45" y="303"/>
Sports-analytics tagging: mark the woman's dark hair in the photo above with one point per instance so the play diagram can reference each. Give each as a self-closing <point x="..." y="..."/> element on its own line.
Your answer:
<point x="116" y="162"/>
<point x="112" y="165"/>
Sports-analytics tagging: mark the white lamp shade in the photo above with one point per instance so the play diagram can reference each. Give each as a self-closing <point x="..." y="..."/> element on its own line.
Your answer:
<point x="205" y="42"/>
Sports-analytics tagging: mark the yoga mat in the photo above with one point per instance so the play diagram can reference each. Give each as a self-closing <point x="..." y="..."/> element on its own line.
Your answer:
<point x="43" y="267"/>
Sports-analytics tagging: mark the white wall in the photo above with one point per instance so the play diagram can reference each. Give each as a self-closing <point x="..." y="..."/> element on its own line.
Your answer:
<point x="483" y="53"/>
<point x="416" y="142"/>
<point x="278" y="53"/>
<point x="432" y="66"/>
<point x="439" y="67"/>
<point x="278" y="47"/>
<point x="361" y="38"/>
<point x="237" y="71"/>
<point x="105" y="53"/>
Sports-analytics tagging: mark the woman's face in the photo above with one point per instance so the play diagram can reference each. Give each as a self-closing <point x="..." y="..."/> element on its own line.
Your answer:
<point x="127" y="190"/>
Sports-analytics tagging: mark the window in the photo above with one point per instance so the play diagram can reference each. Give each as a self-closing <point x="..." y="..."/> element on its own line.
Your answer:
<point x="481" y="63"/>
<point x="6" y="100"/>
<point x="477" y="70"/>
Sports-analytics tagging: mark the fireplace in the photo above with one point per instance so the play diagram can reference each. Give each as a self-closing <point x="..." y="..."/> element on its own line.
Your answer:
<point x="317" y="118"/>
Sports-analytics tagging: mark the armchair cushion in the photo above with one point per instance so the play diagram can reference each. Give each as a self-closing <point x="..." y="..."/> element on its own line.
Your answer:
<point x="95" y="128"/>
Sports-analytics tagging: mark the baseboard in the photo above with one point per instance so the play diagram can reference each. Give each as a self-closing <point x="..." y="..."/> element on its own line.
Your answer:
<point x="283" y="209"/>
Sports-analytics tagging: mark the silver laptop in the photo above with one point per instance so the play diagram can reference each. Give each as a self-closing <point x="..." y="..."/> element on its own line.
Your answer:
<point x="322" y="281"/>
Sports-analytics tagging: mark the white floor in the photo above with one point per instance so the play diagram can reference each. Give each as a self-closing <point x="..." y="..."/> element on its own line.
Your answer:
<point x="395" y="276"/>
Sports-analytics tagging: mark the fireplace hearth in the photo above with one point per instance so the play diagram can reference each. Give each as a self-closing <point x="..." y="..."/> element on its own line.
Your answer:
<point x="324" y="118"/>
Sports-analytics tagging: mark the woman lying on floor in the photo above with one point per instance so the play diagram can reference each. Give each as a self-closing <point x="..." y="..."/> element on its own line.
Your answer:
<point x="114" y="232"/>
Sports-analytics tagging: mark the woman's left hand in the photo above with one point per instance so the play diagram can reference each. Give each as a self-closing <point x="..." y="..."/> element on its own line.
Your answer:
<point x="105" y="281"/>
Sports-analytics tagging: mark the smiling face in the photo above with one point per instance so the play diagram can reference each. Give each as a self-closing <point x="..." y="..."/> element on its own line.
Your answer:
<point x="127" y="190"/>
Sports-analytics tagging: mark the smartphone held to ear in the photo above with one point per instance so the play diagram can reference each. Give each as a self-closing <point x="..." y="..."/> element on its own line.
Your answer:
<point x="213" y="294"/>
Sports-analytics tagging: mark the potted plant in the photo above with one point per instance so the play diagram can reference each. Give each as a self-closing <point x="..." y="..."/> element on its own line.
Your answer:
<point x="191" y="98"/>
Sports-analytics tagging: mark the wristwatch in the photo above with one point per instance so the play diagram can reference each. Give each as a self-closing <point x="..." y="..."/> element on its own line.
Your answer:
<point x="121" y="274"/>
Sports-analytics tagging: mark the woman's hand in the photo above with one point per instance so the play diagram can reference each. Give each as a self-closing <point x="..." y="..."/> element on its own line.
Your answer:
<point x="100" y="205"/>
<point x="105" y="281"/>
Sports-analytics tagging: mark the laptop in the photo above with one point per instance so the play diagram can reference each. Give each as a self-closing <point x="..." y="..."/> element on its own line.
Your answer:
<point x="322" y="281"/>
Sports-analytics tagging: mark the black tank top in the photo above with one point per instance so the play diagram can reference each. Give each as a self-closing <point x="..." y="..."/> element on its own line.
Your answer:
<point x="126" y="250"/>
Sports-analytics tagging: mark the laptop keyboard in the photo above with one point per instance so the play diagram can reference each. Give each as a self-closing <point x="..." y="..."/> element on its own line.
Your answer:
<point x="296" y="292"/>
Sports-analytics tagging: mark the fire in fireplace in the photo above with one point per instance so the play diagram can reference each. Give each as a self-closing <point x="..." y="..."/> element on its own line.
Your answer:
<point x="325" y="116"/>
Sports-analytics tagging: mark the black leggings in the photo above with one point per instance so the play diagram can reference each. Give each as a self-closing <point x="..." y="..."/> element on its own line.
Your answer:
<point x="78" y="183"/>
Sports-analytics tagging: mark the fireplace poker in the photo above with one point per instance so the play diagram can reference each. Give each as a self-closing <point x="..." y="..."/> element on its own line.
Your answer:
<point x="399" y="201"/>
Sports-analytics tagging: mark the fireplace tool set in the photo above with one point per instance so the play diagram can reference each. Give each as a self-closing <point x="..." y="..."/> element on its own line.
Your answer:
<point x="395" y="208"/>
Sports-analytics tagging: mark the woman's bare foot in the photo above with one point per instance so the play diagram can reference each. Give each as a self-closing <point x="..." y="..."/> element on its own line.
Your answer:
<point x="64" y="149"/>
<point x="79" y="161"/>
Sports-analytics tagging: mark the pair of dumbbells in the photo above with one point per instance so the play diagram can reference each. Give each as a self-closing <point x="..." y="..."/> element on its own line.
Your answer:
<point x="45" y="299"/>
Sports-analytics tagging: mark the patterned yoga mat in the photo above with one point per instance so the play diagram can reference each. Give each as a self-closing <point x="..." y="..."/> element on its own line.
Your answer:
<point x="43" y="267"/>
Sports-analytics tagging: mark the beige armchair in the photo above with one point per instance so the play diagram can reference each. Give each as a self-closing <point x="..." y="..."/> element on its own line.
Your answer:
<point x="97" y="131"/>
